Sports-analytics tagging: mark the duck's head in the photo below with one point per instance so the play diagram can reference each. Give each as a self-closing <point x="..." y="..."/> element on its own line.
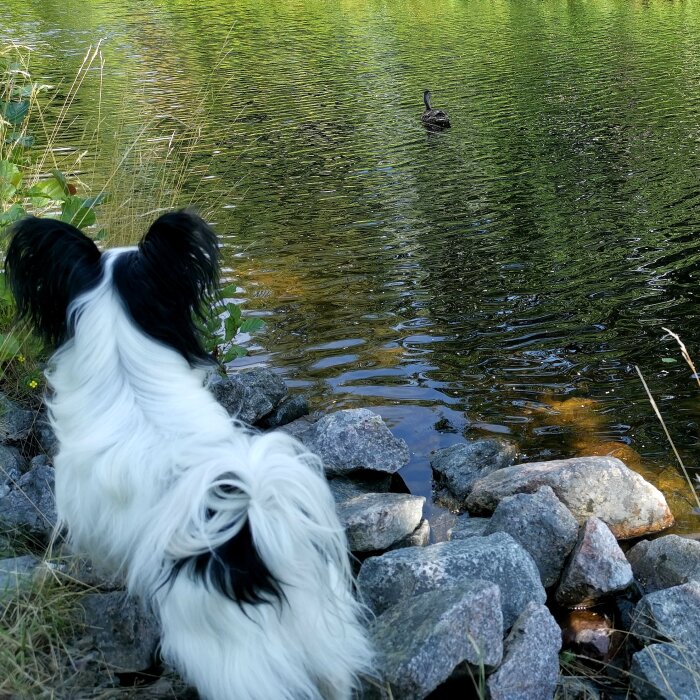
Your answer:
<point x="426" y="99"/>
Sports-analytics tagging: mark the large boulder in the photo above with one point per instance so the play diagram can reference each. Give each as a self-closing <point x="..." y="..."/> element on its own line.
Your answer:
<point x="665" y="562"/>
<point x="375" y="521"/>
<point x="588" y="486"/>
<point x="392" y="577"/>
<point x="422" y="640"/>
<point x="542" y="525"/>
<point x="530" y="668"/>
<point x="457" y="467"/>
<point x="355" y="439"/>
<point x="597" y="567"/>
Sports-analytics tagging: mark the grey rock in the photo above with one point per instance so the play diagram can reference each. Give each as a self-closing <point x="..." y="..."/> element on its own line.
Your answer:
<point x="17" y="573"/>
<point x="377" y="520"/>
<point x="530" y="668"/>
<point x="355" y="439"/>
<point x="665" y="562"/>
<point x="670" y="615"/>
<point x="542" y="525"/>
<point x="289" y="410"/>
<point x="423" y="639"/>
<point x="441" y="525"/>
<point x="457" y="467"/>
<point x="15" y="422"/>
<point x="45" y="436"/>
<point x="467" y="526"/>
<point x="597" y="567"/>
<point x="344" y="488"/>
<point x="588" y="486"/>
<point x="249" y="395"/>
<point x="387" y="579"/>
<point x="124" y="633"/>
<point x="420" y="537"/>
<point x="576" y="688"/>
<point x="30" y="508"/>
<point x="299" y="427"/>
<point x="663" y="671"/>
<point x="9" y="477"/>
<point x="11" y="459"/>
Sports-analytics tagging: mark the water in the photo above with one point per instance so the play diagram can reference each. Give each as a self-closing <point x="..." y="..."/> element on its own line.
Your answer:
<point x="502" y="277"/>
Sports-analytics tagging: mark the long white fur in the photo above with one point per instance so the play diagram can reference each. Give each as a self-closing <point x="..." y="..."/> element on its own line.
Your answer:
<point x="145" y="450"/>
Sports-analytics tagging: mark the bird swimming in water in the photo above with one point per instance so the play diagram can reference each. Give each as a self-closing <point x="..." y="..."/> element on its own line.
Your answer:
<point x="433" y="117"/>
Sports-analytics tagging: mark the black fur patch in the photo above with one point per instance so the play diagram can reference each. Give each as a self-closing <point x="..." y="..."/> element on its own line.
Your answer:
<point x="169" y="281"/>
<point x="48" y="264"/>
<point x="235" y="570"/>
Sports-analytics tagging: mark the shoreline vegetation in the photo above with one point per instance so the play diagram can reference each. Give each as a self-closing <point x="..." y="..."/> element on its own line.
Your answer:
<point x="56" y="612"/>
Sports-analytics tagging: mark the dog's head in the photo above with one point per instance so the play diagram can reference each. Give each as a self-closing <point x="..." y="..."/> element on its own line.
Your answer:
<point x="164" y="283"/>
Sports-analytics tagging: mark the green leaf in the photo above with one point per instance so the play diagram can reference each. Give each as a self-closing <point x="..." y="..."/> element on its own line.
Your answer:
<point x="92" y="202"/>
<point x="75" y="212"/>
<point x="51" y="188"/>
<point x="228" y="291"/>
<point x="668" y="360"/>
<point x="6" y="191"/>
<point x="14" y="213"/>
<point x="9" y="172"/>
<point x="62" y="179"/>
<point x="17" y="139"/>
<point x="251" y="324"/>
<point x="9" y="346"/>
<point x="101" y="234"/>
<point x="234" y="352"/>
<point x="230" y="328"/>
<point x="14" y="112"/>
<point x="234" y="311"/>
<point x="5" y="291"/>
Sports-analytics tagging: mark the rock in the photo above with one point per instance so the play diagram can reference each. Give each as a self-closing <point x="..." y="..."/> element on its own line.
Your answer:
<point x="378" y="520"/>
<point x="9" y="476"/>
<point x="387" y="579"/>
<point x="672" y="614"/>
<point x="15" y="422"/>
<point x="83" y="571"/>
<point x="355" y="439"/>
<point x="588" y="486"/>
<point x="542" y="525"/>
<point x="597" y="567"/>
<point x="17" y="573"/>
<point x="442" y="524"/>
<point x="467" y="526"/>
<point x="249" y="395"/>
<point x="576" y="688"/>
<point x="289" y="410"/>
<point x="125" y="634"/>
<point x="423" y="639"/>
<point x="45" y="436"/>
<point x="11" y="459"/>
<point x="30" y="508"/>
<point x="420" y="537"/>
<point x="344" y="488"/>
<point x="663" y="671"/>
<point x="457" y="467"/>
<point x="665" y="562"/>
<point x="530" y="668"/>
<point x="589" y="634"/>
<point x="297" y="428"/>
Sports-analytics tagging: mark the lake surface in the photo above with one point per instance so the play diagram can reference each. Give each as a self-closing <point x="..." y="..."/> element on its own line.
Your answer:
<point x="502" y="277"/>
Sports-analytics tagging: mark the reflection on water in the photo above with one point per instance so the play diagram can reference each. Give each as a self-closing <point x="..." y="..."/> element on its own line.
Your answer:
<point x="500" y="277"/>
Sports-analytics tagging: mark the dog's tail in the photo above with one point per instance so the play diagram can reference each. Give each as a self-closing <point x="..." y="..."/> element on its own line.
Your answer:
<point x="256" y="598"/>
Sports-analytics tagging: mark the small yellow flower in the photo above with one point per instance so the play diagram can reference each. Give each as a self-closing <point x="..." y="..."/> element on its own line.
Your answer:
<point x="21" y="358"/>
<point x="33" y="384"/>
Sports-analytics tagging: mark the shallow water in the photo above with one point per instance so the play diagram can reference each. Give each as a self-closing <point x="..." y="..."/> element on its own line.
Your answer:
<point x="502" y="277"/>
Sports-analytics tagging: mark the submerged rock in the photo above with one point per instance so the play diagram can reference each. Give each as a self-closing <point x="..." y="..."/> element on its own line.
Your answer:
<point x="542" y="525"/>
<point x="392" y="577"/>
<point x="29" y="508"/>
<point x="355" y="439"/>
<point x="423" y="639"/>
<point x="665" y="562"/>
<point x="597" y="567"/>
<point x="457" y="467"/>
<point x="530" y="668"/>
<point x="588" y="486"/>
<point x="377" y="520"/>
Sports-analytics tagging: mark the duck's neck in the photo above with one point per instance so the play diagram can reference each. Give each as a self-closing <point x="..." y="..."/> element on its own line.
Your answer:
<point x="426" y="99"/>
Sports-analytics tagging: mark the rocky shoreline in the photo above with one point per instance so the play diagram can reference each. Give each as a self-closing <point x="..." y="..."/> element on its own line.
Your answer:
<point x="473" y="603"/>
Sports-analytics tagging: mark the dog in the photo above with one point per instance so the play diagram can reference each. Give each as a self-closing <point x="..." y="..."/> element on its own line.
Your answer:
<point x="231" y="537"/>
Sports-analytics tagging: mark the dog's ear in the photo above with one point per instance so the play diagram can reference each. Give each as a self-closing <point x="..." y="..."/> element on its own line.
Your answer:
<point x="168" y="283"/>
<point x="48" y="264"/>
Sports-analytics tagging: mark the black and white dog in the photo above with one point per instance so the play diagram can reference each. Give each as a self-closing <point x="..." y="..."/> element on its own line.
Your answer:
<point x="231" y="537"/>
